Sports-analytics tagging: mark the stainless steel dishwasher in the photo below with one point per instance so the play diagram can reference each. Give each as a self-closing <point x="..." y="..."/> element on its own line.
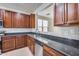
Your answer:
<point x="39" y="45"/>
<point x="38" y="50"/>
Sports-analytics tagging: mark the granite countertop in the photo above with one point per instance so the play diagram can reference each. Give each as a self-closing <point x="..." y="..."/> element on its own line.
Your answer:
<point x="62" y="48"/>
<point x="66" y="46"/>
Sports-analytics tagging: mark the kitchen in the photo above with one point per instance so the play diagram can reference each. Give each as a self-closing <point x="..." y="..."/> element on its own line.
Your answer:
<point x="39" y="29"/>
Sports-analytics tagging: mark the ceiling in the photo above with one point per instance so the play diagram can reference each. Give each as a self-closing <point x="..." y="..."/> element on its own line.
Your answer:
<point x="47" y="11"/>
<point x="25" y="7"/>
<point x="43" y="9"/>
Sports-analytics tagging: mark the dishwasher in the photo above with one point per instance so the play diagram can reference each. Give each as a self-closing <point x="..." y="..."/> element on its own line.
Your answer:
<point x="38" y="49"/>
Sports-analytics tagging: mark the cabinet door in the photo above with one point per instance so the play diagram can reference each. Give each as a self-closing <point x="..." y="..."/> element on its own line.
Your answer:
<point x="22" y="21"/>
<point x="32" y="21"/>
<point x="72" y="13"/>
<point x="32" y="45"/>
<point x="28" y="42"/>
<point x="25" y="39"/>
<point x="59" y="14"/>
<point x="8" y="43"/>
<point x="1" y="14"/>
<point x="7" y="19"/>
<point x="16" y="19"/>
<point x="47" y="51"/>
<point x="20" y="41"/>
<point x="27" y="21"/>
<point x="78" y="13"/>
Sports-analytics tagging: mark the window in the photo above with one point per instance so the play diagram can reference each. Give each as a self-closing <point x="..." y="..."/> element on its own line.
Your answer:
<point x="42" y="25"/>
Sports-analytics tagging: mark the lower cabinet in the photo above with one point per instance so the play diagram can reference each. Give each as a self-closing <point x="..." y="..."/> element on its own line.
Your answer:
<point x="8" y="43"/>
<point x="47" y="51"/>
<point x="20" y="41"/>
<point x="31" y="44"/>
<point x="13" y="42"/>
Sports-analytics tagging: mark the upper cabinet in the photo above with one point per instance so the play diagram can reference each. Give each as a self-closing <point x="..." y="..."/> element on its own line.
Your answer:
<point x="72" y="13"/>
<point x="32" y="21"/>
<point x="1" y="14"/>
<point x="66" y="14"/>
<point x="7" y="19"/>
<point x="20" y="20"/>
<point x="27" y="21"/>
<point x="59" y="14"/>
<point x="17" y="20"/>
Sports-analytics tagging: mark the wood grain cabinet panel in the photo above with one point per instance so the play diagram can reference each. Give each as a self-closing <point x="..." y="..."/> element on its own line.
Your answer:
<point x="78" y="14"/>
<point x="20" y="20"/>
<point x="13" y="42"/>
<point x="7" y="19"/>
<point x="20" y="41"/>
<point x="31" y="44"/>
<point x="25" y="40"/>
<point x="66" y="14"/>
<point x="1" y="14"/>
<point x="72" y="13"/>
<point x="47" y="51"/>
<point x="8" y="43"/>
<point x="16" y="19"/>
<point x="32" y="21"/>
<point x="59" y="14"/>
<point x="27" y="21"/>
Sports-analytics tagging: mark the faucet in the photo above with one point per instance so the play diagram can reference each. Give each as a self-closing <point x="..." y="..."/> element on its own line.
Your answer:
<point x="37" y="31"/>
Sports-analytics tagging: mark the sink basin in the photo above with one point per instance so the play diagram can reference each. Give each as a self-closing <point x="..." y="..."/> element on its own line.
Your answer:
<point x="42" y="39"/>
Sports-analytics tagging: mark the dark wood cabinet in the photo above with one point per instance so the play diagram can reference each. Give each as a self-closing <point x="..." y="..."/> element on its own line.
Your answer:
<point x="7" y="19"/>
<point x="72" y="13"/>
<point x="20" y="20"/>
<point x="32" y="21"/>
<point x="20" y="41"/>
<point x="66" y="14"/>
<point x="28" y="42"/>
<point x="59" y="14"/>
<point x="27" y="21"/>
<point x="78" y="14"/>
<point x="16" y="19"/>
<point x="47" y="51"/>
<point x="13" y="42"/>
<point x="25" y="40"/>
<point x="8" y="43"/>
<point x="1" y="14"/>
<point x="31" y="44"/>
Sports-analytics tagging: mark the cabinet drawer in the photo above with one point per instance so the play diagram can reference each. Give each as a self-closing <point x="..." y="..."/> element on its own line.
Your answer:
<point x="51" y="51"/>
<point x="45" y="53"/>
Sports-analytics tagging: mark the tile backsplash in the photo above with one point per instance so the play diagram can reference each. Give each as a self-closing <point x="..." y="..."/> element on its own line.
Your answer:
<point x="68" y="32"/>
<point x="12" y="30"/>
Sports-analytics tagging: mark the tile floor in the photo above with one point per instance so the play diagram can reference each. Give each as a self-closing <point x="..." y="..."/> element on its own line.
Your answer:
<point x="19" y="52"/>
